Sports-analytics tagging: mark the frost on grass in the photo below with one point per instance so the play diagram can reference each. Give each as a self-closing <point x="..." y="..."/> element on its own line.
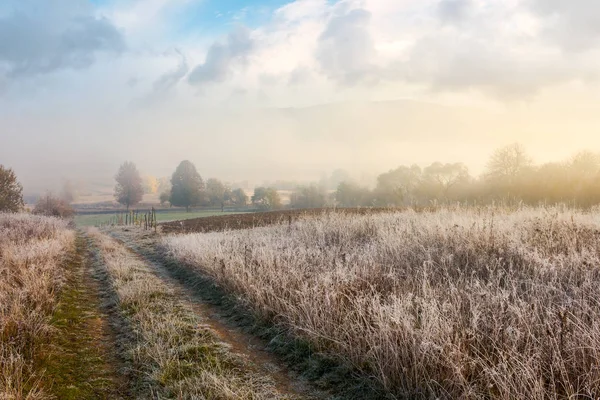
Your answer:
<point x="32" y="249"/>
<point x="175" y="354"/>
<point x="457" y="303"/>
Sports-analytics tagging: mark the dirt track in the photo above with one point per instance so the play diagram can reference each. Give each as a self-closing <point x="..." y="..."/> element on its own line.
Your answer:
<point x="290" y="385"/>
<point x="81" y="361"/>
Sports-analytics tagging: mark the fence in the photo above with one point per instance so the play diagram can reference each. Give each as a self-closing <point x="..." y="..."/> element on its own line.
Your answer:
<point x="133" y="218"/>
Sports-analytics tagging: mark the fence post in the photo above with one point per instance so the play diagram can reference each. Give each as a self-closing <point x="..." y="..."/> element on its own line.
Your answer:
<point x="154" y="219"/>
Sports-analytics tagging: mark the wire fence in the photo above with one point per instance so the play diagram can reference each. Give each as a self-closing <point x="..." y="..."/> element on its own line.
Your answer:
<point x="147" y="219"/>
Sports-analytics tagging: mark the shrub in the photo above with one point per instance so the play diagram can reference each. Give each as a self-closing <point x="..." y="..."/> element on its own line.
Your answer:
<point x="51" y="206"/>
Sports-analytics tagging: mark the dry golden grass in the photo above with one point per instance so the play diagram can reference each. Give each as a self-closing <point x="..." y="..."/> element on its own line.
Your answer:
<point x="31" y="251"/>
<point x="457" y="303"/>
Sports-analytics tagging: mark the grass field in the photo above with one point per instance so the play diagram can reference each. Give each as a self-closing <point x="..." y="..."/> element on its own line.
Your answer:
<point x="469" y="303"/>
<point x="86" y="220"/>
<point x="457" y="303"/>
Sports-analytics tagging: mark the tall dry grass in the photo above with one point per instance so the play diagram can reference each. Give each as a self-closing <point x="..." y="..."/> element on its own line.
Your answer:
<point x="32" y="249"/>
<point x="457" y="303"/>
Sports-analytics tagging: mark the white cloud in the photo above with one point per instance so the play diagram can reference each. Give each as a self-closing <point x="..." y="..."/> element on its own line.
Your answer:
<point x="346" y="47"/>
<point x="300" y="10"/>
<point x="315" y="51"/>
<point x="454" y="11"/>
<point x="38" y="38"/>
<point x="223" y="57"/>
<point x="140" y="16"/>
<point x="574" y="24"/>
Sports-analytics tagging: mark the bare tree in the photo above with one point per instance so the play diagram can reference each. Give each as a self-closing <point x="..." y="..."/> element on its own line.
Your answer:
<point x="439" y="178"/>
<point x="129" y="190"/>
<point x="508" y="162"/>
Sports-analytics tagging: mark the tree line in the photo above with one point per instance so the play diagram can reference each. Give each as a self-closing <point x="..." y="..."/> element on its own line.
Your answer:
<point x="510" y="177"/>
<point x="188" y="189"/>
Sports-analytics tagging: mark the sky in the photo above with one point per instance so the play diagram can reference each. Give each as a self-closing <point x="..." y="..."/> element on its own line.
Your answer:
<point x="278" y="89"/>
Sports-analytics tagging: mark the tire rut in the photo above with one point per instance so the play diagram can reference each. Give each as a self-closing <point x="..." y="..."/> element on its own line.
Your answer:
<point x="239" y="342"/>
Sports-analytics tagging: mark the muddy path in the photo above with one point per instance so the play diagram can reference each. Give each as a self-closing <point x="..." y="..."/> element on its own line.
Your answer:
<point x="254" y="349"/>
<point x="81" y="360"/>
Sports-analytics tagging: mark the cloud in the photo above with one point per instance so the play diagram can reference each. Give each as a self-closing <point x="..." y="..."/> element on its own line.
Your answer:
<point x="164" y="86"/>
<point x="346" y="48"/>
<point x="299" y="76"/>
<point x="454" y="63"/>
<point x="38" y="38"/>
<point x="170" y="79"/>
<point x="454" y="11"/>
<point x="308" y="51"/>
<point x="491" y="47"/>
<point x="301" y="10"/>
<point x="574" y="25"/>
<point x="222" y="57"/>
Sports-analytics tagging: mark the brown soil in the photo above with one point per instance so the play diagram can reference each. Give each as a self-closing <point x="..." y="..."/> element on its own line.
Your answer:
<point x="253" y="220"/>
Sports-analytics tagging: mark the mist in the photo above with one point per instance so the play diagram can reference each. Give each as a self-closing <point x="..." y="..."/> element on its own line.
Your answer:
<point x="281" y="94"/>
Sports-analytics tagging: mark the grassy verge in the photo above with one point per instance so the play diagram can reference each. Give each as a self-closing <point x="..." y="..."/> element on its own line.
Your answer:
<point x="80" y="361"/>
<point x="173" y="354"/>
<point x="32" y="250"/>
<point x="87" y="220"/>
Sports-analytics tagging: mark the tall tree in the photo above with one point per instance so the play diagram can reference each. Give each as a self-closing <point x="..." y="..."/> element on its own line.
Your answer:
<point x="309" y="197"/>
<point x="164" y="198"/>
<point x="585" y="163"/>
<point x="186" y="186"/>
<point x="239" y="198"/>
<point x="129" y="189"/>
<point x="349" y="194"/>
<point x="266" y="198"/>
<point x="397" y="187"/>
<point x="217" y="192"/>
<point x="439" y="179"/>
<point x="11" y="191"/>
